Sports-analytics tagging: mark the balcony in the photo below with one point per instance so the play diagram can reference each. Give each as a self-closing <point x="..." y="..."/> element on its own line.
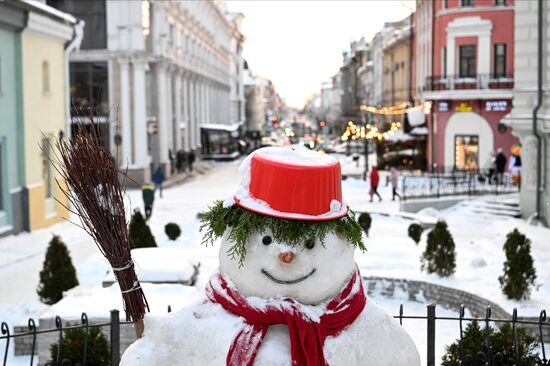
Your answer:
<point x="479" y="82"/>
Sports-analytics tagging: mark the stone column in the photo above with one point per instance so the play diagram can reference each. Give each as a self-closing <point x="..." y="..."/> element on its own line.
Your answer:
<point x="200" y="112"/>
<point x="125" y="114"/>
<point x="141" y="155"/>
<point x="186" y="117"/>
<point x="163" y="121"/>
<point x="179" y="115"/>
<point x="192" y="114"/>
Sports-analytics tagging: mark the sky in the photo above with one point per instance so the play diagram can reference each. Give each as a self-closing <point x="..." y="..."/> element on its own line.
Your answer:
<point x="299" y="44"/>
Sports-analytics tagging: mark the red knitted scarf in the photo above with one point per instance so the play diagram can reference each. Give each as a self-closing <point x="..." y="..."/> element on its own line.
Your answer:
<point x="307" y="336"/>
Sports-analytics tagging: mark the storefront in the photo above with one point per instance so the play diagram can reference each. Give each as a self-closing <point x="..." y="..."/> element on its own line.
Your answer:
<point x="221" y="142"/>
<point x="467" y="132"/>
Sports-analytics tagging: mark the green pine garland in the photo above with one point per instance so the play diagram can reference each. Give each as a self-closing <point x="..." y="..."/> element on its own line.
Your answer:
<point x="244" y="223"/>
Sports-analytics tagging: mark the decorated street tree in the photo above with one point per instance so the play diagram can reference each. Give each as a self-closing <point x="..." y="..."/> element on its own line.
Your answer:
<point x="439" y="256"/>
<point x="58" y="273"/>
<point x="519" y="271"/>
<point x="140" y="233"/>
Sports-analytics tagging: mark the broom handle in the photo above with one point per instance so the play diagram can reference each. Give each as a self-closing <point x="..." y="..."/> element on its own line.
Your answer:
<point x="139" y="328"/>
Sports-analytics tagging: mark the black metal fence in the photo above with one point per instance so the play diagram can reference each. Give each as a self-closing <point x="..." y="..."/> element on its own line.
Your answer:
<point x="426" y="185"/>
<point x="539" y="328"/>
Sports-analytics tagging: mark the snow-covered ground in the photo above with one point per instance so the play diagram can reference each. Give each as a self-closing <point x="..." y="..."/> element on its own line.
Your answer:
<point x="478" y="235"/>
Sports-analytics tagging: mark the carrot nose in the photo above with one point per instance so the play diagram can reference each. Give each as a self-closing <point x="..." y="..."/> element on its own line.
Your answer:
<point x="286" y="257"/>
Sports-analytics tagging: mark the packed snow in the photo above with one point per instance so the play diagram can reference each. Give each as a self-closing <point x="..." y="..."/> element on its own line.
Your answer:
<point x="478" y="231"/>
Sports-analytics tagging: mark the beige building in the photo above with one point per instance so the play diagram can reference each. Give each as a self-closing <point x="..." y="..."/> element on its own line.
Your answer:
<point x="44" y="81"/>
<point x="397" y="63"/>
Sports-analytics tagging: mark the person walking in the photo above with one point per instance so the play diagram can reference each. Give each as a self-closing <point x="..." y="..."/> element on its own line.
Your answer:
<point x="394" y="178"/>
<point x="190" y="161"/>
<point x="158" y="179"/>
<point x="374" y="181"/>
<point x="148" y="193"/>
<point x="490" y="165"/>
<point x="500" y="162"/>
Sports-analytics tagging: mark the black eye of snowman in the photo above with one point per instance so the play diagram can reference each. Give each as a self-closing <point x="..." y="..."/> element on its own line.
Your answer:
<point x="267" y="240"/>
<point x="310" y="243"/>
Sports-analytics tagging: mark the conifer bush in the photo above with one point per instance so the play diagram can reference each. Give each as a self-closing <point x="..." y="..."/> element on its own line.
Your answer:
<point x="415" y="232"/>
<point x="140" y="233"/>
<point x="58" y="273"/>
<point x="172" y="230"/>
<point x="519" y="271"/>
<point x="500" y="343"/>
<point x="365" y="221"/>
<point x="98" y="350"/>
<point x="439" y="256"/>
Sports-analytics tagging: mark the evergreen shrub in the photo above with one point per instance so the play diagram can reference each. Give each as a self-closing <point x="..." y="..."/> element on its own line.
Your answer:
<point x="519" y="271"/>
<point x="172" y="230"/>
<point x="415" y="232"/>
<point x="98" y="350"/>
<point x="365" y="221"/>
<point x="439" y="256"/>
<point x="140" y="233"/>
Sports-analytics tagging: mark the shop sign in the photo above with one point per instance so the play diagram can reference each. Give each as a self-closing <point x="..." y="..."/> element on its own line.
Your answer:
<point x="443" y="106"/>
<point x="496" y="106"/>
<point x="464" y="107"/>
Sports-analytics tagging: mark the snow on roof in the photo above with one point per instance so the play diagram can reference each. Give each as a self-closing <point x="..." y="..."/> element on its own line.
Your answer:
<point x="50" y="10"/>
<point x="219" y="126"/>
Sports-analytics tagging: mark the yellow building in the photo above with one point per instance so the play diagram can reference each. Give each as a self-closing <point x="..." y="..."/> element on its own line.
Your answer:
<point x="44" y="86"/>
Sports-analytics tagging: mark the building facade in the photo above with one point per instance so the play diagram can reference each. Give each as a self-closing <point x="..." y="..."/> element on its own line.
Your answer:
<point x="534" y="195"/>
<point x="466" y="71"/>
<point x="155" y="73"/>
<point x="34" y="42"/>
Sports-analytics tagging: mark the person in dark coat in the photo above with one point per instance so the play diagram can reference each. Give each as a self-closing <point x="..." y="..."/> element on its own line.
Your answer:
<point x="500" y="162"/>
<point x="158" y="179"/>
<point x="374" y="181"/>
<point x="190" y="160"/>
<point x="148" y="193"/>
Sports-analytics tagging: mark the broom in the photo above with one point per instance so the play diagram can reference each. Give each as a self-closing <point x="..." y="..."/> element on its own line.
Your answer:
<point x="95" y="196"/>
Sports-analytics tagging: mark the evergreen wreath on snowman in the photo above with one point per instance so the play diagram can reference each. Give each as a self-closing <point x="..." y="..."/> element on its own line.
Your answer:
<point x="288" y="291"/>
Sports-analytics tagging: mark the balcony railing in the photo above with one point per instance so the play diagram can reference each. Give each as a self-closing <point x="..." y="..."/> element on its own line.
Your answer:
<point x="480" y="81"/>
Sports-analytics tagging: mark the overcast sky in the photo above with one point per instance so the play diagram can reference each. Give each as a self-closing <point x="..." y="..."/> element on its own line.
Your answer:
<point x="299" y="44"/>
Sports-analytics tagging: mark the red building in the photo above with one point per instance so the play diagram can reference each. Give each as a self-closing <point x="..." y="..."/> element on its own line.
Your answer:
<point x="464" y="52"/>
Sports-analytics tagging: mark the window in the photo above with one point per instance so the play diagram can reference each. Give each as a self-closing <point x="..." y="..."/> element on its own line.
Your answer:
<point x="467" y="152"/>
<point x="444" y="4"/>
<point x="465" y="3"/>
<point x="47" y="168"/>
<point x="444" y="62"/>
<point x="89" y="88"/>
<point x="499" y="60"/>
<point x="45" y="77"/>
<point x="500" y="2"/>
<point x="171" y="36"/>
<point x="93" y="13"/>
<point x="1" y="180"/>
<point x="467" y="61"/>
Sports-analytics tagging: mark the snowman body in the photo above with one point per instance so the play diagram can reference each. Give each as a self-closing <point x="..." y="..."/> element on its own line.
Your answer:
<point x="202" y="334"/>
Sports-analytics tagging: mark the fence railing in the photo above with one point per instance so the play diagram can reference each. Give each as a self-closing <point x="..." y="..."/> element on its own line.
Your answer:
<point x="425" y="185"/>
<point x="479" y="81"/>
<point x="540" y="328"/>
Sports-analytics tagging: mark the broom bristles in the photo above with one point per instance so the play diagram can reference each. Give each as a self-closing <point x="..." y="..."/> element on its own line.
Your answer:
<point x="95" y="195"/>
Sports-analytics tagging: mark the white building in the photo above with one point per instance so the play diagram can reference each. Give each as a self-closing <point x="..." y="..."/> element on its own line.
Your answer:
<point x="525" y="100"/>
<point x="154" y="72"/>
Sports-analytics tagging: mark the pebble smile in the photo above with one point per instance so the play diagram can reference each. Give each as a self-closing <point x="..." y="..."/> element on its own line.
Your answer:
<point x="290" y="282"/>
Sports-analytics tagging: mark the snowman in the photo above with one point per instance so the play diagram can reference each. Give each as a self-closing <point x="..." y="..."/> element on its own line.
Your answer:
<point x="288" y="291"/>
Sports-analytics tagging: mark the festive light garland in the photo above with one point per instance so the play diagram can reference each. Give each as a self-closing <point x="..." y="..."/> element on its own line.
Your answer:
<point x="368" y="132"/>
<point x="397" y="109"/>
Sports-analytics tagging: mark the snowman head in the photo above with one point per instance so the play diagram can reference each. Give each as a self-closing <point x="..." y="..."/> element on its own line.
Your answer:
<point x="286" y="232"/>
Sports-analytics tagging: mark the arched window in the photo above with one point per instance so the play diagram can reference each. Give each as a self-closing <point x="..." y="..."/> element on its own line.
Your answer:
<point x="45" y="77"/>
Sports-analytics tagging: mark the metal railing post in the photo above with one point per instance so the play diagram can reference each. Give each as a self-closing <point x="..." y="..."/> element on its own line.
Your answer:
<point x="431" y="335"/>
<point x="115" y="337"/>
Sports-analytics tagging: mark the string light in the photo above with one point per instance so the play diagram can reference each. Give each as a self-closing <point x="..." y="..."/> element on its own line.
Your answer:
<point x="368" y="132"/>
<point x="397" y="109"/>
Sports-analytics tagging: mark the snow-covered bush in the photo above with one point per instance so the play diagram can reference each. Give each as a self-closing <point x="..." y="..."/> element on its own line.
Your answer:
<point x="415" y="232"/>
<point x="58" y="273"/>
<point x="98" y="351"/>
<point x="439" y="256"/>
<point x="140" y="233"/>
<point x="365" y="222"/>
<point x="500" y="343"/>
<point x="172" y="230"/>
<point x="519" y="271"/>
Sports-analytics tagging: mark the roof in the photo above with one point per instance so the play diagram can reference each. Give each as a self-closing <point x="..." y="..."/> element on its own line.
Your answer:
<point x="39" y="7"/>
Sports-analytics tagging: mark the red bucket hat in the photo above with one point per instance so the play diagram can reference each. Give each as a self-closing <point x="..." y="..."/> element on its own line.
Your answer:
<point x="291" y="183"/>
